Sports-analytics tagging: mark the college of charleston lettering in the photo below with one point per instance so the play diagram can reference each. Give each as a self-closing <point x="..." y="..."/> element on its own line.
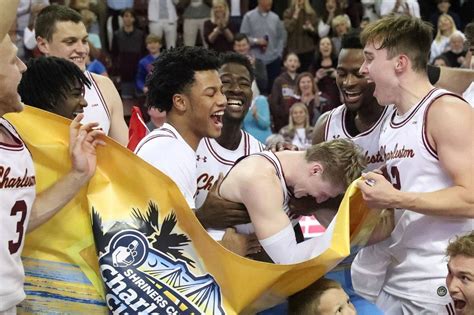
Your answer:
<point x="397" y="153"/>
<point x="7" y="181"/>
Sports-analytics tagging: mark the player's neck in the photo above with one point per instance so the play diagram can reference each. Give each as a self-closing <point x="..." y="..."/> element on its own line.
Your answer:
<point x="231" y="135"/>
<point x="5" y="137"/>
<point x="292" y="164"/>
<point x="189" y="136"/>
<point x="370" y="113"/>
<point x="412" y="89"/>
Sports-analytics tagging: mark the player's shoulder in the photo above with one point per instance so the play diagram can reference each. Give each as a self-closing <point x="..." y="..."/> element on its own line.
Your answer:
<point x="102" y="81"/>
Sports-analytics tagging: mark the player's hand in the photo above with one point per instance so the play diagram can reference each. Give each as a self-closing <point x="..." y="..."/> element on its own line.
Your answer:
<point x="377" y="191"/>
<point x="83" y="141"/>
<point x="218" y="213"/>
<point x="282" y="146"/>
<point x="241" y="244"/>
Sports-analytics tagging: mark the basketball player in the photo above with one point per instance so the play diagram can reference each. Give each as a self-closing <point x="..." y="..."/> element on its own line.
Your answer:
<point x="215" y="156"/>
<point x="20" y="208"/>
<point x="185" y="83"/>
<point x="54" y="84"/>
<point x="264" y="182"/>
<point x="358" y="119"/>
<point x="460" y="279"/>
<point x="427" y="145"/>
<point x="60" y="32"/>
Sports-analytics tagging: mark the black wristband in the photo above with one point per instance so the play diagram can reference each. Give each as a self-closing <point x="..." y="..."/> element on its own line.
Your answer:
<point x="433" y="73"/>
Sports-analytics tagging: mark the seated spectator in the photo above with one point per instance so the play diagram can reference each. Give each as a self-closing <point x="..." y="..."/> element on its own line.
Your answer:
<point x="324" y="67"/>
<point x="456" y="53"/>
<point x="55" y="85"/>
<point x="323" y="297"/>
<point x="460" y="279"/>
<point x="298" y="131"/>
<point x="89" y="19"/>
<point x="300" y="23"/>
<point x="257" y="121"/>
<point x="341" y="24"/>
<point x="440" y="44"/>
<point x="145" y="65"/>
<point x="444" y="7"/>
<point x="96" y="66"/>
<point x="242" y="46"/>
<point x="441" y="61"/>
<point x="283" y="91"/>
<point x="219" y="31"/>
<point x="307" y="92"/>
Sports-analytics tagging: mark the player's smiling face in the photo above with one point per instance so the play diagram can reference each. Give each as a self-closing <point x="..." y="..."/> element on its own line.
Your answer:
<point x="206" y="104"/>
<point x="460" y="282"/>
<point x="237" y="87"/>
<point x="69" y="41"/>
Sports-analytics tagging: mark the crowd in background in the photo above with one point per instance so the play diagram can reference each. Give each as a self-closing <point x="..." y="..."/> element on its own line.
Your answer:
<point x="293" y="46"/>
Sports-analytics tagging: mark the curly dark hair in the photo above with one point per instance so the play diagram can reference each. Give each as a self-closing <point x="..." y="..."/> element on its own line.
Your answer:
<point x="173" y="73"/>
<point x="233" y="57"/>
<point x="48" y="80"/>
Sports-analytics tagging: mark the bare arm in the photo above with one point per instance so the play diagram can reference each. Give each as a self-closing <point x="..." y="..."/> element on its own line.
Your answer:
<point x="7" y="16"/>
<point x="83" y="142"/>
<point x="320" y="128"/>
<point x="450" y="132"/>
<point x="118" y="128"/>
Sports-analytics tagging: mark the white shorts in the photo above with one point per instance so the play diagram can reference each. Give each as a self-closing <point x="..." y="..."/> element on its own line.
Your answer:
<point x="392" y="305"/>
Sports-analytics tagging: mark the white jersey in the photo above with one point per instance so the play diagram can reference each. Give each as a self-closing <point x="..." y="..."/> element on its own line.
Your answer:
<point x="272" y="158"/>
<point x="367" y="140"/>
<point x="213" y="159"/>
<point x="418" y="242"/>
<point x="17" y="193"/>
<point x="96" y="109"/>
<point x="166" y="150"/>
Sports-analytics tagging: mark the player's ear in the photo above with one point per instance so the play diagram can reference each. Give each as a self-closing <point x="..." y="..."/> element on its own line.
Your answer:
<point x="43" y="45"/>
<point x="180" y="102"/>
<point x="316" y="168"/>
<point x="402" y="63"/>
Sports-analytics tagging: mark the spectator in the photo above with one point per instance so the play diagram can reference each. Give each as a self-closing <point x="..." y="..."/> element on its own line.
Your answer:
<point x="307" y="92"/>
<point x="89" y="19"/>
<point x="95" y="66"/>
<point x="127" y="49"/>
<point x="300" y="23"/>
<point x="331" y="9"/>
<point x="257" y="121"/>
<point x="163" y="20"/>
<point x="237" y="11"/>
<point x="145" y="65"/>
<point x="341" y="24"/>
<point x="219" y="31"/>
<point x="283" y="91"/>
<point x="440" y="44"/>
<point x="444" y="7"/>
<point x="399" y="7"/>
<point x="114" y="16"/>
<point x="460" y="279"/>
<point x="267" y="37"/>
<point x="298" y="131"/>
<point x="196" y="12"/>
<point x="242" y="46"/>
<point x="324" y="67"/>
<point x="456" y="53"/>
<point x="441" y="61"/>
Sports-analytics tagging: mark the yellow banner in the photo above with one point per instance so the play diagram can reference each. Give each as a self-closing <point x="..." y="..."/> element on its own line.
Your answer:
<point x="154" y="255"/>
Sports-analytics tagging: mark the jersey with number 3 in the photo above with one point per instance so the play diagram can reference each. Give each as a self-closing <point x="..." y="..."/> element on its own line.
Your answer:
<point x="418" y="242"/>
<point x="17" y="193"/>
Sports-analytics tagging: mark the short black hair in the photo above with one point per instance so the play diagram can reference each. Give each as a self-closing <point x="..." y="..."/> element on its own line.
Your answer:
<point x="240" y="36"/>
<point x="351" y="40"/>
<point x="46" y="21"/>
<point x="47" y="81"/>
<point x="173" y="72"/>
<point x="233" y="57"/>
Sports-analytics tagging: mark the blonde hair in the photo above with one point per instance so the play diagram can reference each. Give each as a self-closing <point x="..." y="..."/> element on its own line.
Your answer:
<point x="439" y="36"/>
<point x="152" y="38"/>
<point x="401" y="35"/>
<point x="462" y="245"/>
<point x="341" y="19"/>
<point x="307" y="7"/>
<point x="226" y="9"/>
<point x="342" y="160"/>
<point x="291" y="124"/>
